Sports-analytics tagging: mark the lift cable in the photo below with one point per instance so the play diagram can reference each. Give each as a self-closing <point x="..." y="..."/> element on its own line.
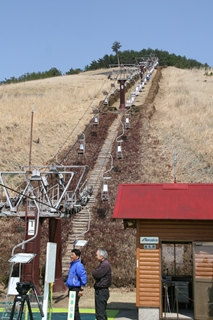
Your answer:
<point x="70" y="149"/>
<point x="79" y="121"/>
<point x="108" y="151"/>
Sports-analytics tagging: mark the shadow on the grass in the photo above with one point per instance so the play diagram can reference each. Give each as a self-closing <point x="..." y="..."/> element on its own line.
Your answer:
<point x="121" y="305"/>
<point x="86" y="314"/>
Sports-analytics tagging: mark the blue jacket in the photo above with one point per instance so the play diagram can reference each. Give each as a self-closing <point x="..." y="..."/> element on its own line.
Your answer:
<point x="77" y="276"/>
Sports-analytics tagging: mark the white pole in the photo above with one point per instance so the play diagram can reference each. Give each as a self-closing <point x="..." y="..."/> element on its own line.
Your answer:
<point x="49" y="274"/>
<point x="45" y="300"/>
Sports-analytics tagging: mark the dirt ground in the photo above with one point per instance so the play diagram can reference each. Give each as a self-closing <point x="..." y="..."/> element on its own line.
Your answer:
<point x="121" y="298"/>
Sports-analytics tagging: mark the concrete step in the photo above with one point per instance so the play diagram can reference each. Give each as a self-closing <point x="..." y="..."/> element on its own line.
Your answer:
<point x="80" y="220"/>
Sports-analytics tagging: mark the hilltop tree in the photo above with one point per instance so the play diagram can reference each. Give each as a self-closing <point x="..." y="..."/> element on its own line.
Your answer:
<point x="115" y="47"/>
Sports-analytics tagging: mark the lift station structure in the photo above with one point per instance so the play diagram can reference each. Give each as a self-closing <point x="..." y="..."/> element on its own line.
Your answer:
<point x="54" y="192"/>
<point x="43" y="193"/>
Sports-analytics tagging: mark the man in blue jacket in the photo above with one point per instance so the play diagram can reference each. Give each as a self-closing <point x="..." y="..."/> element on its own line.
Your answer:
<point x="77" y="279"/>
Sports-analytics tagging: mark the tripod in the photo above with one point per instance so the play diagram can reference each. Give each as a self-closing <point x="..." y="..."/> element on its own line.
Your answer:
<point x="23" y="288"/>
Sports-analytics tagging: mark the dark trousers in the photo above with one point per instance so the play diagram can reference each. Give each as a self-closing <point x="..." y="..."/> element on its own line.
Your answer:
<point x="101" y="297"/>
<point x="77" y="298"/>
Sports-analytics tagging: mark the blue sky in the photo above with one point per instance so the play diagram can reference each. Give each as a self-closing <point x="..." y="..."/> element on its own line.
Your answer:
<point x="37" y="35"/>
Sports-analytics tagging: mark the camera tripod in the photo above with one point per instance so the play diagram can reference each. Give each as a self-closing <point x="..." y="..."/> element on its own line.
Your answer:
<point x="23" y="288"/>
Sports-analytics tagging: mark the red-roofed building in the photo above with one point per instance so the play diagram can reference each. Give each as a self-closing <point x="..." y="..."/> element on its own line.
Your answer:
<point x="174" y="251"/>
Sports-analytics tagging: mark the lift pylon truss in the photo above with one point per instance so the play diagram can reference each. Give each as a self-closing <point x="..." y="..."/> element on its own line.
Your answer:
<point x="53" y="188"/>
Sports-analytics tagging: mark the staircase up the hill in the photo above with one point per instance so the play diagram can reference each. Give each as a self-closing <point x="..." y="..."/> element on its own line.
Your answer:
<point x="81" y="221"/>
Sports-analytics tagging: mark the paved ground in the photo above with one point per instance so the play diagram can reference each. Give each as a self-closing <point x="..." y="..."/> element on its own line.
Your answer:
<point x="121" y="299"/>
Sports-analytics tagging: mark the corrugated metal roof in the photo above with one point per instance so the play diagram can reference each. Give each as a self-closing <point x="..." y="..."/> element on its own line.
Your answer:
<point x="177" y="201"/>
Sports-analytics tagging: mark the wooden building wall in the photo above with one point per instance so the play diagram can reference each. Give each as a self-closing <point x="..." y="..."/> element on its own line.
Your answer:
<point x="149" y="261"/>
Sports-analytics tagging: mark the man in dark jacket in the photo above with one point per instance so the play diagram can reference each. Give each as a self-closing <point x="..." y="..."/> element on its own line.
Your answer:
<point x="77" y="279"/>
<point x="102" y="276"/>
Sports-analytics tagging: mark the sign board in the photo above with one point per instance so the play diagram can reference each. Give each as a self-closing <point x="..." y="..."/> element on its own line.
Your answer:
<point x="71" y="305"/>
<point x="12" y="286"/>
<point x="144" y="240"/>
<point x="50" y="262"/>
<point x="150" y="246"/>
<point x="49" y="274"/>
<point x="31" y="227"/>
<point x="22" y="257"/>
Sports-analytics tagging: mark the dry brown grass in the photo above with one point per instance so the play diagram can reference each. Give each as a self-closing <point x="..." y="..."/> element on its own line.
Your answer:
<point x="59" y="105"/>
<point x="182" y="123"/>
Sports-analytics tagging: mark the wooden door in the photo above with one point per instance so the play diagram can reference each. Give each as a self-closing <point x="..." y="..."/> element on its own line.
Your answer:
<point x="203" y="280"/>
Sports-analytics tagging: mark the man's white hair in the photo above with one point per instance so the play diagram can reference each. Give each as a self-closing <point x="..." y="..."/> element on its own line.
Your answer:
<point x="103" y="253"/>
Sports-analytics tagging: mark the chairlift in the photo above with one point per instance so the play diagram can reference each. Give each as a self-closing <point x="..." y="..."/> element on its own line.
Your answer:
<point x="106" y="101"/>
<point x="127" y="121"/>
<point x="105" y="189"/>
<point x="53" y="168"/>
<point x="132" y="98"/>
<point x="36" y="175"/>
<point x="96" y="118"/>
<point x="85" y="194"/>
<point x="106" y="98"/>
<point x="105" y="183"/>
<point x="112" y="88"/>
<point x="128" y="103"/>
<point x="81" y="140"/>
<point x="119" y="154"/>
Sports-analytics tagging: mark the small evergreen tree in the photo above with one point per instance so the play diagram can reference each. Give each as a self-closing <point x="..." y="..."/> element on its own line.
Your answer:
<point x="115" y="47"/>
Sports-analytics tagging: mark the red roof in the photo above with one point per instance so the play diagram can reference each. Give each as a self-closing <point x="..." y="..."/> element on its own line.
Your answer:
<point x="164" y="201"/>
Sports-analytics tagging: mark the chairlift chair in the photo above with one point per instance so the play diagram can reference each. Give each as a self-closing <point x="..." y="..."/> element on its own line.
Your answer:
<point x="105" y="180"/>
<point x="127" y="122"/>
<point x="106" y="101"/>
<point x="96" y="118"/>
<point x="128" y="103"/>
<point x="36" y="175"/>
<point x="106" y="98"/>
<point x="119" y="154"/>
<point x="105" y="189"/>
<point x="112" y="88"/>
<point x="81" y="140"/>
<point x="132" y="98"/>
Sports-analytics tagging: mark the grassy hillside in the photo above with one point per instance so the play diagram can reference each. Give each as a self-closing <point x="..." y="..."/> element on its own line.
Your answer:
<point x="178" y="119"/>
